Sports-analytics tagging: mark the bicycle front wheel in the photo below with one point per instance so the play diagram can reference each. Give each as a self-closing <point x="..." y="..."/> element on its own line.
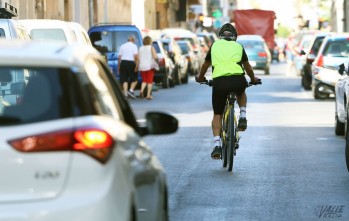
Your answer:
<point x="231" y="138"/>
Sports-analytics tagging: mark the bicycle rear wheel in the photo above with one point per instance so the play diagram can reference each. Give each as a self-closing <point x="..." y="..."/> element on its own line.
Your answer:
<point x="231" y="138"/>
<point x="224" y="150"/>
<point x="224" y="139"/>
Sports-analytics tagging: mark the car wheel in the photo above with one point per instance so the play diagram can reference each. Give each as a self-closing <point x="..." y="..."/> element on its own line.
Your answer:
<point x="171" y="83"/>
<point x="306" y="83"/>
<point x="267" y="70"/>
<point x="177" y="79"/>
<point x="318" y="94"/>
<point x="339" y="126"/>
<point x="347" y="151"/>
<point x="185" y="79"/>
<point x="165" y="83"/>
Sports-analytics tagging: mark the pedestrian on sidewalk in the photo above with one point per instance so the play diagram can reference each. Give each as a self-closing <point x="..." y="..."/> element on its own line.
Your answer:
<point x="147" y="56"/>
<point x="128" y="66"/>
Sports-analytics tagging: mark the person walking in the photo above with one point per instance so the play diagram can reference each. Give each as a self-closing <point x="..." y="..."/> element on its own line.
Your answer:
<point x="128" y="66"/>
<point x="147" y="56"/>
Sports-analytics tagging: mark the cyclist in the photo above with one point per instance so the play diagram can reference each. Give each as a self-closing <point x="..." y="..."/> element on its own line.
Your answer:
<point x="229" y="60"/>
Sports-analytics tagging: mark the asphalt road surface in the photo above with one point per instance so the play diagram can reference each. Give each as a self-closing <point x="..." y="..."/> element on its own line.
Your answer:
<point x="290" y="164"/>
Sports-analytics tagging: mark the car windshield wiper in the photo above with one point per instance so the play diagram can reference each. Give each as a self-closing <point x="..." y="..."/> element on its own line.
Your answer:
<point x="9" y="120"/>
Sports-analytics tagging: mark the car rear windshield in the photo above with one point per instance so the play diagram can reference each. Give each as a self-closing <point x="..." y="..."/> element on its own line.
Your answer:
<point x="112" y="40"/>
<point x="34" y="94"/>
<point x="251" y="44"/>
<point x="337" y="48"/>
<point x="157" y="47"/>
<point x="48" y="34"/>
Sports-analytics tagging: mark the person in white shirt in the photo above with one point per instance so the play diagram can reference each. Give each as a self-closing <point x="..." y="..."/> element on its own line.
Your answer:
<point x="128" y="66"/>
<point x="146" y="54"/>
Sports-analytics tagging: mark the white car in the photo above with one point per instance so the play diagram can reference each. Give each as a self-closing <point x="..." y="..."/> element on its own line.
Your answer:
<point x="50" y="30"/>
<point x="80" y="33"/>
<point x="70" y="146"/>
<point x="342" y="99"/>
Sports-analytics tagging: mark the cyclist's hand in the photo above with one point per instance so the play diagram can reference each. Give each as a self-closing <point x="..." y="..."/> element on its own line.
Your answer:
<point x="255" y="80"/>
<point x="199" y="78"/>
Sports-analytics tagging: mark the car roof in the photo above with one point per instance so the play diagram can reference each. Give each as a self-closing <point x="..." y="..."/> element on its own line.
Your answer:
<point x="250" y="37"/>
<point x="113" y="26"/>
<point x="334" y="36"/>
<point x="43" y="54"/>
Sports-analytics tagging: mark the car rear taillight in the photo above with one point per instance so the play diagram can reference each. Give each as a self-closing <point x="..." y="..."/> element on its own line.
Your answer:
<point x="262" y="54"/>
<point x="94" y="142"/>
<point x="162" y="62"/>
<point x="320" y="61"/>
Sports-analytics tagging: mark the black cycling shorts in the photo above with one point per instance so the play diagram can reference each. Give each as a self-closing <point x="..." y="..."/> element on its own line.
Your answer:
<point x="127" y="71"/>
<point x="221" y="88"/>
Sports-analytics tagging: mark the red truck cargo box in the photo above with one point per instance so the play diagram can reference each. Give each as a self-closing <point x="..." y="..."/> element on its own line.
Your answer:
<point x="256" y="22"/>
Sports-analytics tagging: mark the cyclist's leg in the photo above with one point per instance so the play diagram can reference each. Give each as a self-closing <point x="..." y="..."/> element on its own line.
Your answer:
<point x="218" y="102"/>
<point x="217" y="124"/>
<point x="241" y="97"/>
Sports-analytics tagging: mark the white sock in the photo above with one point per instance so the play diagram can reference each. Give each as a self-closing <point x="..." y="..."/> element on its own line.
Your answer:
<point x="217" y="141"/>
<point x="242" y="112"/>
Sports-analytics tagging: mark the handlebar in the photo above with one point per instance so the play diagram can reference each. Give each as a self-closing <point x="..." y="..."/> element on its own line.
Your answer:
<point x="210" y="83"/>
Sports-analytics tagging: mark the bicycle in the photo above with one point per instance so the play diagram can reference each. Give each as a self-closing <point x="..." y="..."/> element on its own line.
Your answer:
<point x="229" y="134"/>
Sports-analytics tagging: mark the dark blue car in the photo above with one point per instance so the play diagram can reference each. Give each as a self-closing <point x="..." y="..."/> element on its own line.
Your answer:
<point x="108" y="38"/>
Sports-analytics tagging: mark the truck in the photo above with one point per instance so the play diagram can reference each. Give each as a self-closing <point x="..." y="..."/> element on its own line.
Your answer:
<point x="256" y="22"/>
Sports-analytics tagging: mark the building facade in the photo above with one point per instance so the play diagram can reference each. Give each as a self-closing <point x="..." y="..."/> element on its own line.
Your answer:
<point x="150" y="14"/>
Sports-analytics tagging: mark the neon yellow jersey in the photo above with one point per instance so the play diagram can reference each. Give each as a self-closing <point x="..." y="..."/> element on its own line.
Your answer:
<point x="225" y="56"/>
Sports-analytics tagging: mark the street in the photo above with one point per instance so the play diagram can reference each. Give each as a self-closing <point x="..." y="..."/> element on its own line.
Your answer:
<point x="290" y="164"/>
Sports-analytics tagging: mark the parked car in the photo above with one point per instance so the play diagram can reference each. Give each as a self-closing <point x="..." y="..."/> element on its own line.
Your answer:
<point x="80" y="33"/>
<point x="108" y="38"/>
<point x="306" y="72"/>
<point x="49" y="30"/>
<point x="190" y="54"/>
<point x="333" y="51"/>
<point x="301" y="49"/>
<point x="342" y="99"/>
<point x="209" y="37"/>
<point x="165" y="74"/>
<point x="71" y="148"/>
<point x="179" y="60"/>
<point x="183" y="34"/>
<point x="11" y="28"/>
<point x="257" y="51"/>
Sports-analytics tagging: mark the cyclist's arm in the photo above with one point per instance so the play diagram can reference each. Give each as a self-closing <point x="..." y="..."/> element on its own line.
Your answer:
<point x="249" y="71"/>
<point x="201" y="76"/>
<point x="248" y="68"/>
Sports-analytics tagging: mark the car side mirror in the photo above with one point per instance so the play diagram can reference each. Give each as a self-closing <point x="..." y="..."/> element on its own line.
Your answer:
<point x="302" y="52"/>
<point x="343" y="68"/>
<point x="159" y="123"/>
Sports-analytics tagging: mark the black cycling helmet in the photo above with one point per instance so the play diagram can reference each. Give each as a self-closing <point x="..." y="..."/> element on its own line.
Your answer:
<point x="228" y="31"/>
